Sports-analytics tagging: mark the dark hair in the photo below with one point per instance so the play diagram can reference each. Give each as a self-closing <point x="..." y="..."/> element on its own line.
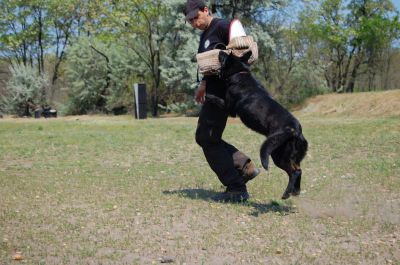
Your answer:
<point x="192" y="7"/>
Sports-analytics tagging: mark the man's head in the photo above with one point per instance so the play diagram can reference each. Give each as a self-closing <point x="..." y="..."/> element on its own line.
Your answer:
<point x="197" y="14"/>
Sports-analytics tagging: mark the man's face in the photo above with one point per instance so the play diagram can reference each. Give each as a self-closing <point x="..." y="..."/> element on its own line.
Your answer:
<point x="201" y="20"/>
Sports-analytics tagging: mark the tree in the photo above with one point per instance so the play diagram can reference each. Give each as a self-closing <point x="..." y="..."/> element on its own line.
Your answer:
<point x="348" y="39"/>
<point x="178" y="66"/>
<point x="98" y="76"/>
<point x="247" y="10"/>
<point x="29" y="28"/>
<point x="325" y="36"/>
<point x="18" y="35"/>
<point x="374" y="28"/>
<point x="151" y="30"/>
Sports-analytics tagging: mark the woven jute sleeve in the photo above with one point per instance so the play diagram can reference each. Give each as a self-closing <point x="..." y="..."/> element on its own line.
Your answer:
<point x="209" y="64"/>
<point x="242" y="45"/>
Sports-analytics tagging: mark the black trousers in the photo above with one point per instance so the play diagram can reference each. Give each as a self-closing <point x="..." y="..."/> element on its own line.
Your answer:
<point x="224" y="159"/>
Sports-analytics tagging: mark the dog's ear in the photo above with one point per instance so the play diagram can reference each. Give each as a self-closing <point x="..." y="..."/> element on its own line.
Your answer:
<point x="245" y="58"/>
<point x="222" y="56"/>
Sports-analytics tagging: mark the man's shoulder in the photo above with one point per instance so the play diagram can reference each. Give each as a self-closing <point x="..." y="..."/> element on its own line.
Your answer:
<point x="221" y="22"/>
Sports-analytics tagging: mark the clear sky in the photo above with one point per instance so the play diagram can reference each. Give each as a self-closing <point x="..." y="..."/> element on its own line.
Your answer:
<point x="397" y="4"/>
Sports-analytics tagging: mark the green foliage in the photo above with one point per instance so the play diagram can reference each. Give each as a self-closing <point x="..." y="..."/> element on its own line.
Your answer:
<point x="304" y="82"/>
<point x="98" y="76"/>
<point x="123" y="65"/>
<point x="24" y="90"/>
<point x="85" y="77"/>
<point x="156" y="32"/>
<point x="345" y="39"/>
<point x="178" y="66"/>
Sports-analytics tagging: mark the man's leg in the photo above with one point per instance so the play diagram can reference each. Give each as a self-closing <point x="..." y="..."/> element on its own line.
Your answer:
<point x="222" y="157"/>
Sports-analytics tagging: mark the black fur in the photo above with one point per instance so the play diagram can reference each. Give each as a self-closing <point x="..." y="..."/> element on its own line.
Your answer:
<point x="247" y="98"/>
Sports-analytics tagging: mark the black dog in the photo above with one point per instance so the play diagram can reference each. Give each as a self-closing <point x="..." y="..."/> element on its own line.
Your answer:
<point x="247" y="98"/>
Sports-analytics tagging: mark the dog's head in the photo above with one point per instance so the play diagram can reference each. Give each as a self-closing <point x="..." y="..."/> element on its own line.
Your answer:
<point x="231" y="64"/>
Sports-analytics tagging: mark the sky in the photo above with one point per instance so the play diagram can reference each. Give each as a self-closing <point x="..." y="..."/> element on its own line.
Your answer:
<point x="397" y="4"/>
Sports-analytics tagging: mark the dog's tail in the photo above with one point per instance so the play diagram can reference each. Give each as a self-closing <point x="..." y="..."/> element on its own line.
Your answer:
<point x="274" y="141"/>
<point x="264" y="156"/>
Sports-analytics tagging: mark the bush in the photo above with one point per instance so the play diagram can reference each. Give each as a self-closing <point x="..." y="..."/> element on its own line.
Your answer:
<point x="25" y="90"/>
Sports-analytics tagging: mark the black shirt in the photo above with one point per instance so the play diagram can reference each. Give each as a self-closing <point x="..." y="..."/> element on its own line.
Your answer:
<point x="215" y="36"/>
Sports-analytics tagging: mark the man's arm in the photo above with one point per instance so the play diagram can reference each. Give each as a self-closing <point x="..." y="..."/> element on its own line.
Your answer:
<point x="200" y="92"/>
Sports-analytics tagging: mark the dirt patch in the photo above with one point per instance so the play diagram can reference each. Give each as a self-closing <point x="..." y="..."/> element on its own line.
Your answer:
<point x="379" y="209"/>
<point x="316" y="210"/>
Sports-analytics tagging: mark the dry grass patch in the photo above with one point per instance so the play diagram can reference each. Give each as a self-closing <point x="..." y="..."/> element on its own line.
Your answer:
<point x="366" y="104"/>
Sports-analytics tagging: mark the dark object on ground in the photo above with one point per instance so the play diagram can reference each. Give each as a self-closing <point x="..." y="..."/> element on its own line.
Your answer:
<point x="167" y="260"/>
<point x="140" y="101"/>
<point x="248" y="99"/>
<point x="46" y="112"/>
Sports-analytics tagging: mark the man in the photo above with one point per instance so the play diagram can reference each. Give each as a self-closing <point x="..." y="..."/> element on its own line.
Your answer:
<point x="232" y="167"/>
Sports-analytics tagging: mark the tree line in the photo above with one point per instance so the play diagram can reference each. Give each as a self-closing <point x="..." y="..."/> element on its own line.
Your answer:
<point x="85" y="55"/>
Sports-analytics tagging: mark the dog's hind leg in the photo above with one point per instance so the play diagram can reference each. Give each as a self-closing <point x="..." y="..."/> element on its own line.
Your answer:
<point x="300" y="147"/>
<point x="216" y="101"/>
<point x="294" y="178"/>
<point x="273" y="142"/>
<point x="296" y="190"/>
<point x="282" y="159"/>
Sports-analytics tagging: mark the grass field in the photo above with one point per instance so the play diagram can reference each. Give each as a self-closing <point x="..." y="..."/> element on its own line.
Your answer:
<point x="112" y="190"/>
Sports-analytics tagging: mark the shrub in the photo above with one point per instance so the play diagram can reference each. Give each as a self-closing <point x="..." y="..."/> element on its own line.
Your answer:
<point x="25" y="90"/>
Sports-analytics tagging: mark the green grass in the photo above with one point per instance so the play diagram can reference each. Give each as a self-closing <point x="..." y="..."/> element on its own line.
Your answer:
<point x="118" y="191"/>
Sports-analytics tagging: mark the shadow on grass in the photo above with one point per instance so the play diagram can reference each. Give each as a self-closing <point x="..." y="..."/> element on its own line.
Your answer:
<point x="258" y="208"/>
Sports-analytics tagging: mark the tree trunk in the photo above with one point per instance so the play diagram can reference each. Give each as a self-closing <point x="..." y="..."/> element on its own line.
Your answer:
<point x="385" y="74"/>
<point x="371" y="79"/>
<point x="154" y="105"/>
<point x="59" y="59"/>
<point x="102" y="100"/>
<point x="346" y="71"/>
<point x="41" y="59"/>
<point x="352" y="80"/>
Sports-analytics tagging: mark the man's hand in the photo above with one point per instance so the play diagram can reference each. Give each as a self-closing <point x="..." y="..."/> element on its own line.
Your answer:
<point x="200" y="92"/>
